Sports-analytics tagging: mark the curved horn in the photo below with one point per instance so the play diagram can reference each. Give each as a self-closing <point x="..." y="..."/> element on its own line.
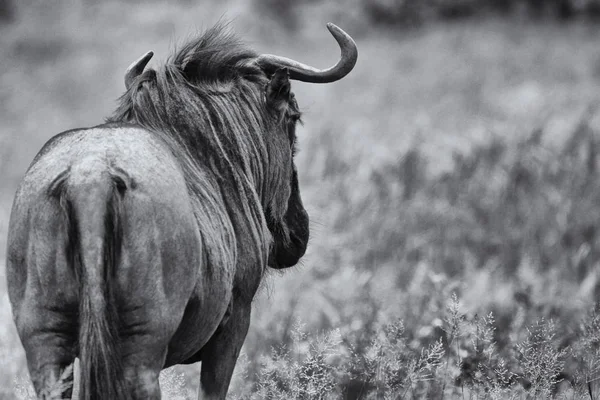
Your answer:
<point x="136" y="68"/>
<point x="305" y="73"/>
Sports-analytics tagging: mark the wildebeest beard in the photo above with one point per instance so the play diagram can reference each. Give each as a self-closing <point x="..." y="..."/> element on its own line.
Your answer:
<point x="209" y="103"/>
<point x="291" y="237"/>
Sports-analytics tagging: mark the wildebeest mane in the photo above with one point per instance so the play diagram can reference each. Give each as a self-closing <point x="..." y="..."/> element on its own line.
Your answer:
<point x="207" y="103"/>
<point x="218" y="56"/>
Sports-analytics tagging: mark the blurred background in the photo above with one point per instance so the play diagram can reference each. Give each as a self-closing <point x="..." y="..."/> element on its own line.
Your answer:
<point x="451" y="179"/>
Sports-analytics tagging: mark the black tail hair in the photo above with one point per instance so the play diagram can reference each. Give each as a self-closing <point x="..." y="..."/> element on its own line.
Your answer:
<point x="93" y="249"/>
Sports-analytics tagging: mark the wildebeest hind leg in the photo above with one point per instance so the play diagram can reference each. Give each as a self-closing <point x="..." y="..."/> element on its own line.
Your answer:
<point x="220" y="354"/>
<point x="49" y="368"/>
<point x="61" y="388"/>
<point x="53" y="383"/>
<point x="142" y="368"/>
<point x="48" y="344"/>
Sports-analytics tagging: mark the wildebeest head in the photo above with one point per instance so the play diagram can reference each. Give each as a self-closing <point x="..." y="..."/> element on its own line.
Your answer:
<point x="292" y="237"/>
<point x="290" y="232"/>
<point x="267" y="78"/>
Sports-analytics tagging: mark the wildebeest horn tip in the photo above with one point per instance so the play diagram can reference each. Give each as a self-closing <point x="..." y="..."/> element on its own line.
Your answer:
<point x="306" y="73"/>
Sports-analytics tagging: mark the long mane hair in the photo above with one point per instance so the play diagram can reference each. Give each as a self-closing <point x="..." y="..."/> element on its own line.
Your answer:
<point x="207" y="102"/>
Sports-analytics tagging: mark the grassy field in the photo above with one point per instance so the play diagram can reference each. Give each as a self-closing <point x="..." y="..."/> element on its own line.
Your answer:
<point x="452" y="182"/>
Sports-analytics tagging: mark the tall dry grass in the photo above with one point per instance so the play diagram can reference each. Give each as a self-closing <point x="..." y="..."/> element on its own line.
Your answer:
<point x="478" y="283"/>
<point x="451" y="182"/>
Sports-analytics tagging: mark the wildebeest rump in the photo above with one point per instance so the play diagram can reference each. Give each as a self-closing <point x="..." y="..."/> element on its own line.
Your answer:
<point x="140" y="243"/>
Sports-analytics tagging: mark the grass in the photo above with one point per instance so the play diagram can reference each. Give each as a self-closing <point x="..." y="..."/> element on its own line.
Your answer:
<point x="451" y="181"/>
<point x="510" y="230"/>
<point x="464" y="362"/>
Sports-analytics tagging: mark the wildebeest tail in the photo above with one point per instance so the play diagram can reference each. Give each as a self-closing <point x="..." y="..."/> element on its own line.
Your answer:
<point x="92" y="203"/>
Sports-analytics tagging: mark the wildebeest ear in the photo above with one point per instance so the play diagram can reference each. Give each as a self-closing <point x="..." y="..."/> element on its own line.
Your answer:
<point x="278" y="90"/>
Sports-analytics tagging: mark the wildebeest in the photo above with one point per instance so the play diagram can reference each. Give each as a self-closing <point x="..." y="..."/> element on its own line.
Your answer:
<point x="140" y="243"/>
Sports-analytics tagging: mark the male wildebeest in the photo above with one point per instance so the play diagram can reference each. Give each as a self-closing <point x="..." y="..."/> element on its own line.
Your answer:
<point x="139" y="244"/>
